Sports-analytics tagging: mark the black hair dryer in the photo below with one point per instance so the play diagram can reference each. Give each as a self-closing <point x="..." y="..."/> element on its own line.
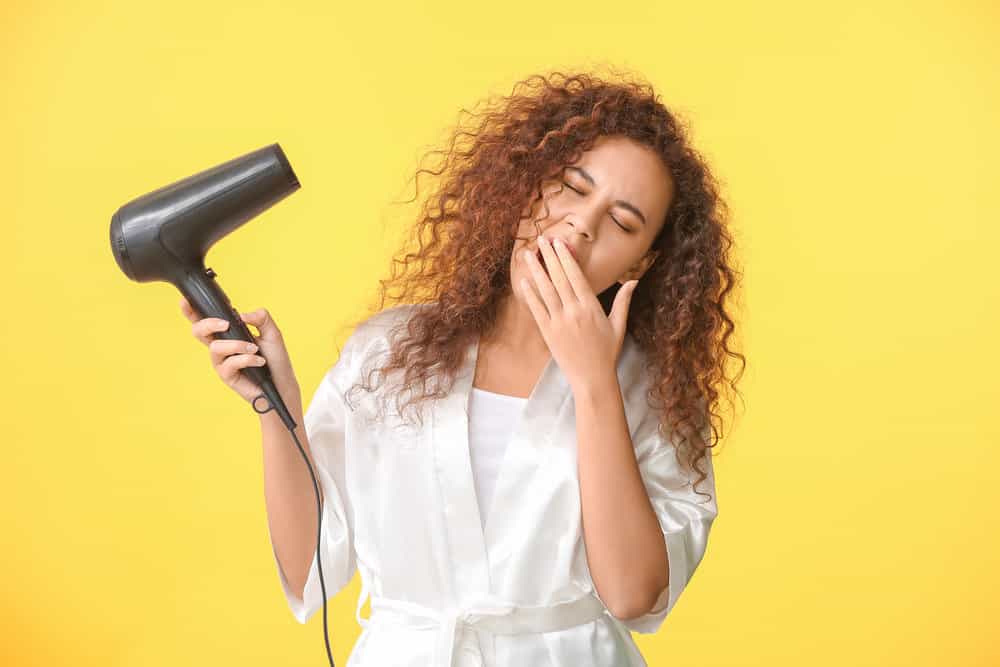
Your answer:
<point x="164" y="235"/>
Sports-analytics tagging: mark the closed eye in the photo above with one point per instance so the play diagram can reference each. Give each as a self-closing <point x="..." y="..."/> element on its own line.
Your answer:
<point x="612" y="217"/>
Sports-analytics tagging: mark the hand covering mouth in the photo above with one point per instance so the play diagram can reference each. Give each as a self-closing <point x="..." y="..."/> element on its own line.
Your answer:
<point x="541" y="260"/>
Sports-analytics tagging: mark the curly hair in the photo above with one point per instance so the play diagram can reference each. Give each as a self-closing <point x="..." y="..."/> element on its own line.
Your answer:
<point x="467" y="228"/>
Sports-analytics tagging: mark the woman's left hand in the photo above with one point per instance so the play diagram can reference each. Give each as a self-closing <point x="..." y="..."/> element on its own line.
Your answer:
<point x="582" y="339"/>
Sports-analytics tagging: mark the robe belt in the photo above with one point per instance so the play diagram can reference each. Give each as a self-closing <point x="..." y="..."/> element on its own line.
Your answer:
<point x="486" y="613"/>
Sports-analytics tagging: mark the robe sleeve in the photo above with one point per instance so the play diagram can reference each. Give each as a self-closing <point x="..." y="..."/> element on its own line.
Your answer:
<point x="324" y="422"/>
<point x="685" y="517"/>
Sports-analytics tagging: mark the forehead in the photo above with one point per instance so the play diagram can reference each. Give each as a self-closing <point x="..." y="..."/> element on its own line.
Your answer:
<point x="631" y="171"/>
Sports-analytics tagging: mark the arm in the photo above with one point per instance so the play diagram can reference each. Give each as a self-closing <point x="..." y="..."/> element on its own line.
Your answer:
<point x="291" y="497"/>
<point x="289" y="494"/>
<point x="625" y="548"/>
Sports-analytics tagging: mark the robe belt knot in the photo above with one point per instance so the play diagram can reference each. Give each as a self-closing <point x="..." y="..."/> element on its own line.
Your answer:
<point x="487" y="613"/>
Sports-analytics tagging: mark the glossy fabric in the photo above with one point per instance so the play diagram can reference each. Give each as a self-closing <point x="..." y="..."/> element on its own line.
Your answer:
<point x="491" y="418"/>
<point x="446" y="589"/>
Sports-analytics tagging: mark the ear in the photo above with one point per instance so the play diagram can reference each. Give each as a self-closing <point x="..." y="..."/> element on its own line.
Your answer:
<point x="640" y="267"/>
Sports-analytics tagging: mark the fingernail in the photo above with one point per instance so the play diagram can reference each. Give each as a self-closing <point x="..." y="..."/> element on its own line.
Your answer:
<point x="251" y="347"/>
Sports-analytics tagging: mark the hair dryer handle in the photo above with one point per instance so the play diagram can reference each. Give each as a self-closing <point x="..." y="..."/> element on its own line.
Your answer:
<point x="208" y="300"/>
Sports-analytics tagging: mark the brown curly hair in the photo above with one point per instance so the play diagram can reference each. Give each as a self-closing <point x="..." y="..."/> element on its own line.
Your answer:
<point x="467" y="228"/>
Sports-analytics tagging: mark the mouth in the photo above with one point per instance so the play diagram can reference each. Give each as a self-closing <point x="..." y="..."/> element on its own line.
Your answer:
<point x="541" y="257"/>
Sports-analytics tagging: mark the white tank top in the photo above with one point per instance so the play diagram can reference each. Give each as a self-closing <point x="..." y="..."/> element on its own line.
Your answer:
<point x="491" y="419"/>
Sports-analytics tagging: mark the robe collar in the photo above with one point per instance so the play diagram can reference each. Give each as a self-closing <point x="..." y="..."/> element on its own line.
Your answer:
<point x="469" y="540"/>
<point x="547" y="412"/>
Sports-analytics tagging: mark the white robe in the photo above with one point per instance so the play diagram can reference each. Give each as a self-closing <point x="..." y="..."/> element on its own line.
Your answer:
<point x="400" y="506"/>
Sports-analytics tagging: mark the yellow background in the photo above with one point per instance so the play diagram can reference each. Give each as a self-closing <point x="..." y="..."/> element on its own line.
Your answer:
<point x="857" y="145"/>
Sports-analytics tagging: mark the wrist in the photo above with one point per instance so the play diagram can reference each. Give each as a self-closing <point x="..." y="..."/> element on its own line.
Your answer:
<point x="290" y="394"/>
<point x="599" y="387"/>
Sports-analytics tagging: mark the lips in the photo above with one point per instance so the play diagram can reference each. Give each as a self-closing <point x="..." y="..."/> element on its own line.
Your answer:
<point x="568" y="247"/>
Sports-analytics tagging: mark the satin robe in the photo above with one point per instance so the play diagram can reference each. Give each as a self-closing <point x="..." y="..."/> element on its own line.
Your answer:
<point x="400" y="507"/>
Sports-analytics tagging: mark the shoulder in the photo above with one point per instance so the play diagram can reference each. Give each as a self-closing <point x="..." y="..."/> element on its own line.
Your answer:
<point x="377" y="326"/>
<point x="635" y="378"/>
<point x="371" y="335"/>
<point x="633" y="362"/>
<point x="366" y="344"/>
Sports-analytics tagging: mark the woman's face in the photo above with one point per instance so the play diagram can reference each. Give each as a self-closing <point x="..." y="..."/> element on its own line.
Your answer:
<point x="612" y="204"/>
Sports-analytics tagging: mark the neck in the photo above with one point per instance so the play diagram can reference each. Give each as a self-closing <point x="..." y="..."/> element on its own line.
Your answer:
<point x="516" y="330"/>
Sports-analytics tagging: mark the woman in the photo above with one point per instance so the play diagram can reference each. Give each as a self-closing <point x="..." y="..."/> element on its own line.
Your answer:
<point x="555" y="490"/>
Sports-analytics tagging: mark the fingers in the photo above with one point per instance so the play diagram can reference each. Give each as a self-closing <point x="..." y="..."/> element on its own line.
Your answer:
<point x="262" y="319"/>
<point x="577" y="281"/>
<point x="228" y="356"/>
<point x="204" y="328"/>
<point x="543" y="282"/>
<point x="220" y="349"/>
<point x="229" y="369"/>
<point x="188" y="311"/>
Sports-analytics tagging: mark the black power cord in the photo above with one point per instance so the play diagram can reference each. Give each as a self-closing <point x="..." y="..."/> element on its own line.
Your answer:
<point x="319" y="530"/>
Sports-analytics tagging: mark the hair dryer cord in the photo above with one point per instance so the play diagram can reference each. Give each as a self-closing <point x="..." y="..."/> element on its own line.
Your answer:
<point x="319" y="536"/>
<point x="260" y="412"/>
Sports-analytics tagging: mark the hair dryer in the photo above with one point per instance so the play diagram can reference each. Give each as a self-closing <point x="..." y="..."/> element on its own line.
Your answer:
<point x="164" y="235"/>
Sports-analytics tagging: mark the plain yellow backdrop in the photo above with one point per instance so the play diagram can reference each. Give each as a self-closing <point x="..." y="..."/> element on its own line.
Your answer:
<point x="857" y="146"/>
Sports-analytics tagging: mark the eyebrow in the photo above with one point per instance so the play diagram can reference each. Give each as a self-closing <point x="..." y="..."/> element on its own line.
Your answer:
<point x="620" y="202"/>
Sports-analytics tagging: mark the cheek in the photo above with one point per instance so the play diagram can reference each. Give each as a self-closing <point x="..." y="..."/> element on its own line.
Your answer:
<point x="550" y="201"/>
<point x="605" y="269"/>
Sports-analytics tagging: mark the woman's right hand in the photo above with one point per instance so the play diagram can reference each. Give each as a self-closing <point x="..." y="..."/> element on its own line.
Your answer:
<point x="229" y="356"/>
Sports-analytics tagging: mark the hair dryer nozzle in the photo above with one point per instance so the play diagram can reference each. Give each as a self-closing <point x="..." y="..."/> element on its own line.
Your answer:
<point x="170" y="230"/>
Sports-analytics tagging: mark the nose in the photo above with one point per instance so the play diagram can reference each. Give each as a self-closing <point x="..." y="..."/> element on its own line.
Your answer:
<point x="584" y="220"/>
<point x="585" y="215"/>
